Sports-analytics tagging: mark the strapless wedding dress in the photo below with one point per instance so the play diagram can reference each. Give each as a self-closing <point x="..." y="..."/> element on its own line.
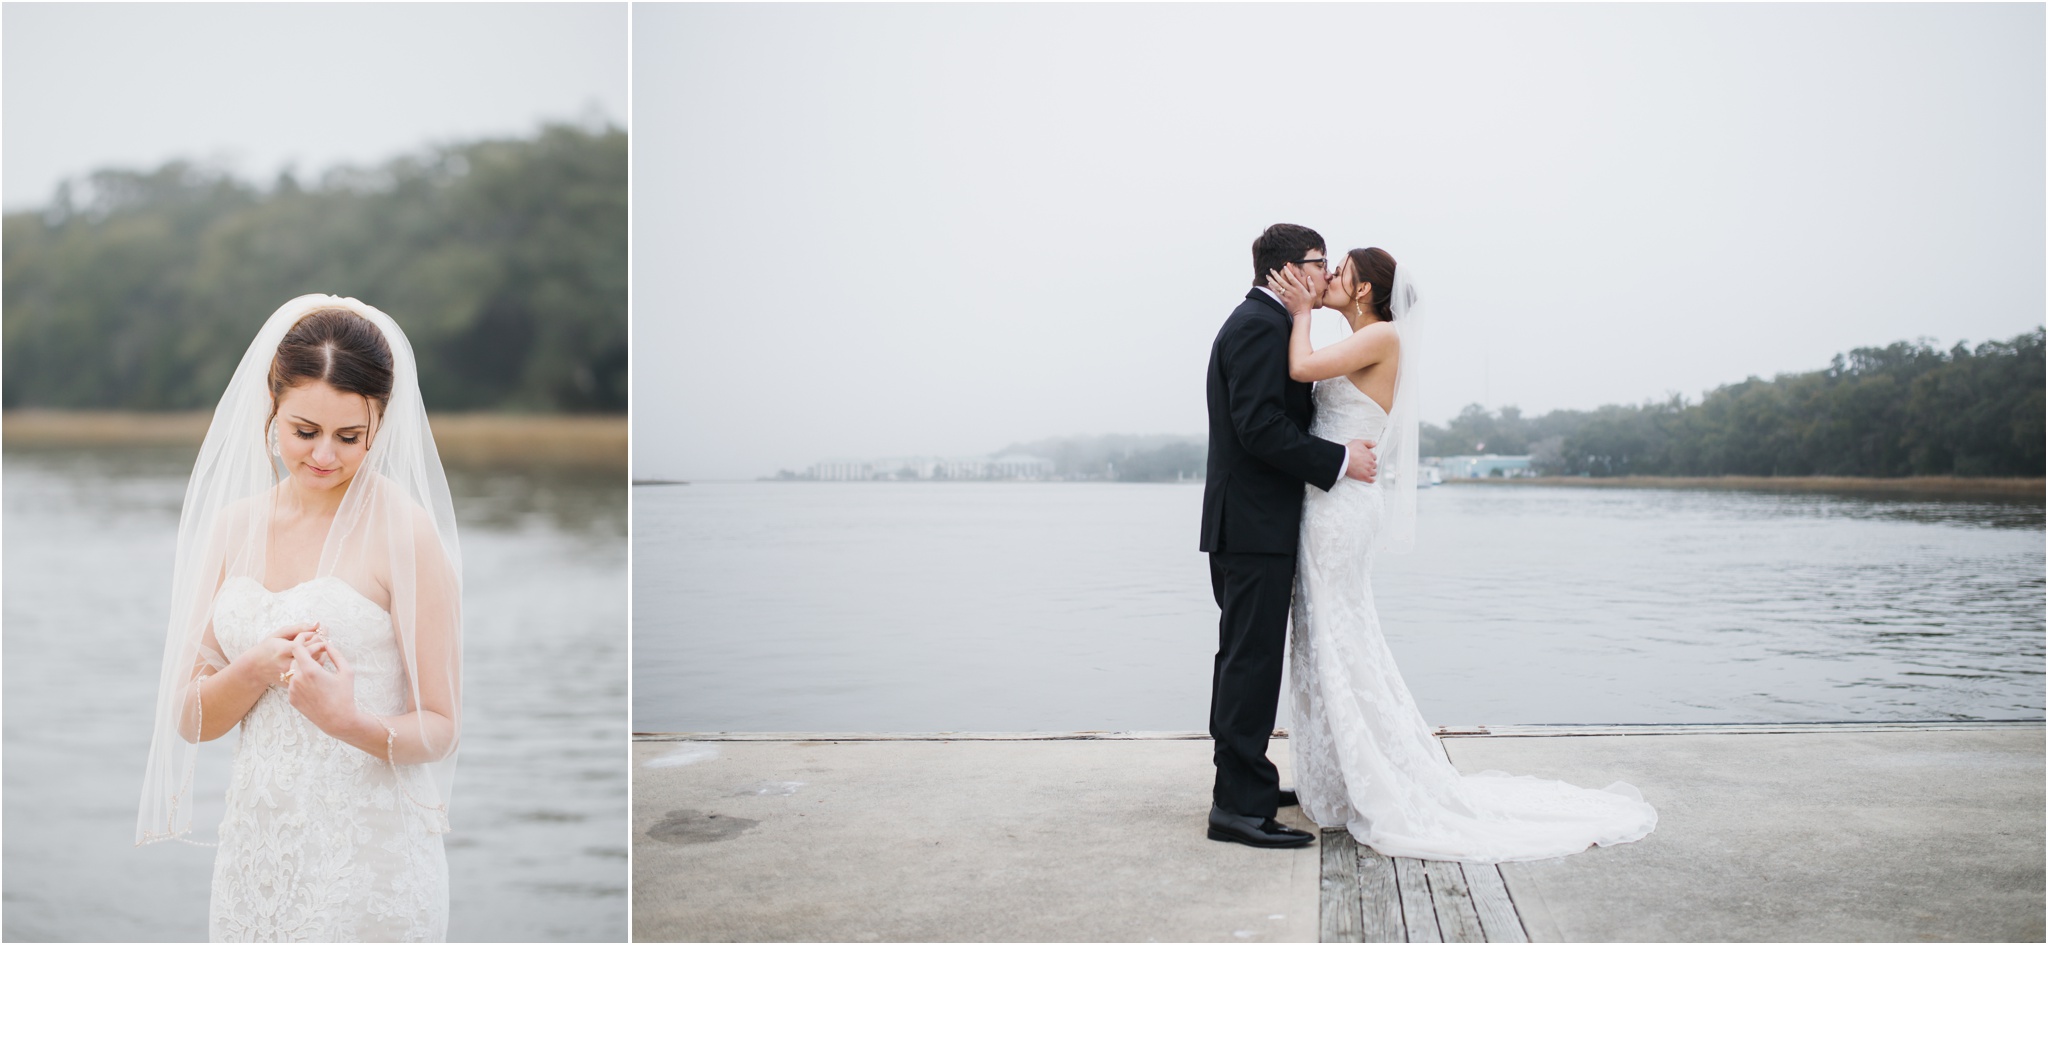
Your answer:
<point x="323" y="841"/>
<point x="1364" y="758"/>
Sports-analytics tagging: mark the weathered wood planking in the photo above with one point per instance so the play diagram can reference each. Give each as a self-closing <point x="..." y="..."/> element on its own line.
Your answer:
<point x="1369" y="897"/>
<point x="1497" y="915"/>
<point x="1455" y="916"/>
<point x="1418" y="911"/>
<point x="1339" y="899"/>
<point x="1379" y="899"/>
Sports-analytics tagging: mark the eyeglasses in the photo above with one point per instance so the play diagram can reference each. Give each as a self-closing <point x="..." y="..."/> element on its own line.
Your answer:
<point x="1322" y="263"/>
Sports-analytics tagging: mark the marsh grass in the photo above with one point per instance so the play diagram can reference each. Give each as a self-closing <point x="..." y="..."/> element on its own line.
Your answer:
<point x="465" y="440"/>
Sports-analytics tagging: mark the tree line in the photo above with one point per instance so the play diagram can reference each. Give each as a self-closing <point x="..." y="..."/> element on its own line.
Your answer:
<point x="503" y="260"/>
<point x="1906" y="409"/>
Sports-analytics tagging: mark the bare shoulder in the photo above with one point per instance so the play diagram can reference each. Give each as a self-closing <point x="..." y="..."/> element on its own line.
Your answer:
<point x="425" y="532"/>
<point x="241" y="519"/>
<point x="429" y="542"/>
<point x="1369" y="345"/>
<point x="393" y="516"/>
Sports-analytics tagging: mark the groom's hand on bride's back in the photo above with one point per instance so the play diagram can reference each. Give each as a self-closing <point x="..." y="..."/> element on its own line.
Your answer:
<point x="1365" y="465"/>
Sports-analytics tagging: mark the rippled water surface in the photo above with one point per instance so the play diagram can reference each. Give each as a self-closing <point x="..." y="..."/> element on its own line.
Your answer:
<point x="990" y="606"/>
<point x="539" y="846"/>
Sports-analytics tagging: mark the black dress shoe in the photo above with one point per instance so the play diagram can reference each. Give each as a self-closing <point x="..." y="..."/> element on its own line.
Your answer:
<point x="1287" y="798"/>
<point x="1262" y="832"/>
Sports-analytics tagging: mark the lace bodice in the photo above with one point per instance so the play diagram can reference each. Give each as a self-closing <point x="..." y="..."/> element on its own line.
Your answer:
<point x="1344" y="413"/>
<point x="321" y="841"/>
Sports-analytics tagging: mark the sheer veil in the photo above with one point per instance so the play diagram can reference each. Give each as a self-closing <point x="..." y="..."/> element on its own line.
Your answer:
<point x="392" y="541"/>
<point x="1399" y="470"/>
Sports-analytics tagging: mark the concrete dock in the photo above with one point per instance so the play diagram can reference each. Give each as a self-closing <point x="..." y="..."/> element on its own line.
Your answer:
<point x="1796" y="832"/>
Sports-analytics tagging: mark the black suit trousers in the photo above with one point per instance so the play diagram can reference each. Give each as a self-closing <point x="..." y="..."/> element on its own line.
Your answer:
<point x="1253" y="590"/>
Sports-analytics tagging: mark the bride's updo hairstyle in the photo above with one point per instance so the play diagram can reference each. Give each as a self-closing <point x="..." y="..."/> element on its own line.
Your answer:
<point x="1376" y="266"/>
<point x="339" y="347"/>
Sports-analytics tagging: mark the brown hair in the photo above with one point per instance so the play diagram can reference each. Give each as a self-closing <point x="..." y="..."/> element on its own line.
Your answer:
<point x="339" y="347"/>
<point x="1280" y="246"/>
<point x="1376" y="266"/>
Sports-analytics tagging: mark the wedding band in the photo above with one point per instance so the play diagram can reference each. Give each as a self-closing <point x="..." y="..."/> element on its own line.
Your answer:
<point x="286" y="678"/>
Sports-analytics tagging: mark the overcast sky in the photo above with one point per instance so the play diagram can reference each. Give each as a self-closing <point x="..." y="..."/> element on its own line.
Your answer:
<point x="938" y="230"/>
<point x="257" y="86"/>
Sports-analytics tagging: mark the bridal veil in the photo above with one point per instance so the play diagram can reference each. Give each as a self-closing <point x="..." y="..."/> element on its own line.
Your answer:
<point x="1399" y="449"/>
<point x="392" y="536"/>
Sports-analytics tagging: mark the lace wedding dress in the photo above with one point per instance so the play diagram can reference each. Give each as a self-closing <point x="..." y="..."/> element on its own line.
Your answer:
<point x="323" y="841"/>
<point x="1364" y="758"/>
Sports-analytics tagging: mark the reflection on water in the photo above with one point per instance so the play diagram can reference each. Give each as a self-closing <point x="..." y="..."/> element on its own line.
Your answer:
<point x="539" y="847"/>
<point x="990" y="606"/>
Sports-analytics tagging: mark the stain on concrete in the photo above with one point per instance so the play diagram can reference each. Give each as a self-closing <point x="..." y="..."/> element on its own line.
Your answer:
<point x="690" y="827"/>
<point x="771" y="787"/>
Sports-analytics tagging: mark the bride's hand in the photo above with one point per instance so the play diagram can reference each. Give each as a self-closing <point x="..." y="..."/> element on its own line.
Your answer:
<point x="272" y="654"/>
<point x="1295" y="294"/>
<point x="326" y="696"/>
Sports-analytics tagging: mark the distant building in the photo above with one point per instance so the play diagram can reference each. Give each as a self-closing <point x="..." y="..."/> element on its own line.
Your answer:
<point x="1485" y="466"/>
<point x="1009" y="466"/>
<point x="961" y="468"/>
<point x="840" y="470"/>
<point x="1019" y="466"/>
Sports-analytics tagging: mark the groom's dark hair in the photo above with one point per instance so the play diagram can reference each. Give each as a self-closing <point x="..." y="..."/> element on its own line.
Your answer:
<point x="1281" y="245"/>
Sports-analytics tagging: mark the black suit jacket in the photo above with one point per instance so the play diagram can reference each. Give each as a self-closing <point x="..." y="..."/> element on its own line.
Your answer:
<point x="1260" y="452"/>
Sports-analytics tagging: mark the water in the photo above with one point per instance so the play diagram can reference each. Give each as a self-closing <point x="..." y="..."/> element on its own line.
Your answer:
<point x="540" y="842"/>
<point x="1019" y="606"/>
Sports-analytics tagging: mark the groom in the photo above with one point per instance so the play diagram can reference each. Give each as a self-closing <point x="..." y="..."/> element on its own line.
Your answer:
<point x="1260" y="454"/>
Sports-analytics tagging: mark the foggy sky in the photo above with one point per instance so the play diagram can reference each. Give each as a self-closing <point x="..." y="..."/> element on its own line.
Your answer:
<point x="254" y="87"/>
<point x="867" y="231"/>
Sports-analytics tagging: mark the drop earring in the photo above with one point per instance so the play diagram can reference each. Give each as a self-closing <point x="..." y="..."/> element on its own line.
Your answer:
<point x="270" y="438"/>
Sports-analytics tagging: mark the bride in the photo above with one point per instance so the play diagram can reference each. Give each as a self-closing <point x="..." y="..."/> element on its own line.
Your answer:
<point x="1364" y="758"/>
<point x="316" y="602"/>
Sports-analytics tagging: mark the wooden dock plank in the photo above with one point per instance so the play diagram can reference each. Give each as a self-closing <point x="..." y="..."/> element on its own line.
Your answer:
<point x="1379" y="899"/>
<point x="1339" y="893"/>
<point x="1456" y="918"/>
<point x="1369" y="897"/>
<point x="1497" y="915"/>
<point x="1418" y="910"/>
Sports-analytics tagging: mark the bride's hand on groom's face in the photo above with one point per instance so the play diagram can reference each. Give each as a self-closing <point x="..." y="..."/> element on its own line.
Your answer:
<point x="1295" y="294"/>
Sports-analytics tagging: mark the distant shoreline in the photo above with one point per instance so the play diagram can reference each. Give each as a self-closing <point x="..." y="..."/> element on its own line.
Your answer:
<point x="1931" y="484"/>
<point x="478" y="440"/>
